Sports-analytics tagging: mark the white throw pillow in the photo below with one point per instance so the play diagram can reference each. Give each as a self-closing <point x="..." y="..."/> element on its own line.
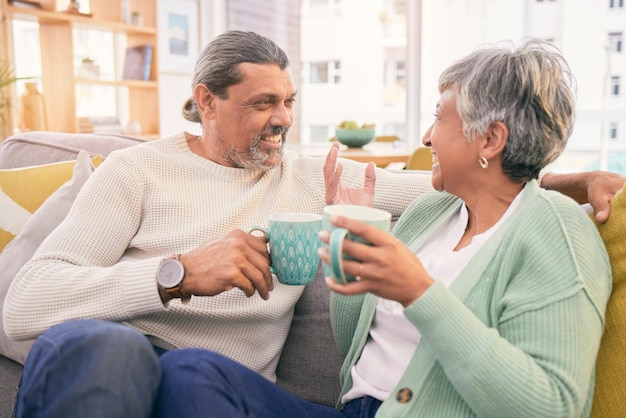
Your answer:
<point x="23" y="246"/>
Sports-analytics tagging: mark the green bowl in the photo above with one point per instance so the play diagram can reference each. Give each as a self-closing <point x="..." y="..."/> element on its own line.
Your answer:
<point x="355" y="138"/>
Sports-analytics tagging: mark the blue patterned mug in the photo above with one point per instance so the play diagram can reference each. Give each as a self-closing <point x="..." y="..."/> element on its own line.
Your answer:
<point x="376" y="217"/>
<point x="293" y="244"/>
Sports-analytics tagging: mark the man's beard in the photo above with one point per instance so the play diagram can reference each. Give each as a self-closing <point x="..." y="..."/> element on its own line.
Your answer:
<point x="255" y="157"/>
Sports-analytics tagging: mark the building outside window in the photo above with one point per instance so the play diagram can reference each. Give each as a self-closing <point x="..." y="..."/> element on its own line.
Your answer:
<point x="615" y="86"/>
<point x="377" y="44"/>
<point x="327" y="72"/>
<point x="615" y="41"/>
<point x="336" y="71"/>
<point x="613" y="131"/>
<point x="318" y="72"/>
<point x="368" y="83"/>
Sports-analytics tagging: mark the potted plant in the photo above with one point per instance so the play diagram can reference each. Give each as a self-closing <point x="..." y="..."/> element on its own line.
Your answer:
<point x="89" y="68"/>
<point x="7" y="78"/>
<point x="136" y="18"/>
<point x="7" y="95"/>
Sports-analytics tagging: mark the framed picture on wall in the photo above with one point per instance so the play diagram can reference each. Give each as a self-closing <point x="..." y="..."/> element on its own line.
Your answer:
<point x="178" y="35"/>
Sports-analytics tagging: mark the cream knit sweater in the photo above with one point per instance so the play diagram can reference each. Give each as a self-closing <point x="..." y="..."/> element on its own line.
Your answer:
<point x="156" y="199"/>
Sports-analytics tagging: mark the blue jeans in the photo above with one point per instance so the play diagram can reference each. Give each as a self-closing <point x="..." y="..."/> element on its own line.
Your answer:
<point x="105" y="369"/>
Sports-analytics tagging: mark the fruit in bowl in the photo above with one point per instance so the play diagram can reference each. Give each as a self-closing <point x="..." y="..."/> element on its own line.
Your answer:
<point x="349" y="133"/>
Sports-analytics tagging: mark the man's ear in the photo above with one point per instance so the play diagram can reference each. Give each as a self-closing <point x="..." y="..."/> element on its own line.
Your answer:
<point x="205" y="100"/>
<point x="496" y="138"/>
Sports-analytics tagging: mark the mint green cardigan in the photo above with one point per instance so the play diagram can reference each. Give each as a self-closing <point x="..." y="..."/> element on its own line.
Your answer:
<point x="516" y="334"/>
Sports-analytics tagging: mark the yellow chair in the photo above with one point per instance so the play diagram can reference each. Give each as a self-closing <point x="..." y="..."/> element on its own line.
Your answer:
<point x="420" y="159"/>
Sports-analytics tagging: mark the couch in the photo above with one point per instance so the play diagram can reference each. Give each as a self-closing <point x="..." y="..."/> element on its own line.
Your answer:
<point x="309" y="364"/>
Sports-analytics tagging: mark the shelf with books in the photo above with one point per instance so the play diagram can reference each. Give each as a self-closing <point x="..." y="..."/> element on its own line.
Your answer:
<point x="138" y="62"/>
<point x="64" y="80"/>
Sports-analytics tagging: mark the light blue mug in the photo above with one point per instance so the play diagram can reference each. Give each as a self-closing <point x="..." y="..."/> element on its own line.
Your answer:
<point x="376" y="217"/>
<point x="293" y="244"/>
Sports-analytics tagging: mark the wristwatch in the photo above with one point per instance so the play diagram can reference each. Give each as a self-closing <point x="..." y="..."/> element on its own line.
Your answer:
<point x="170" y="275"/>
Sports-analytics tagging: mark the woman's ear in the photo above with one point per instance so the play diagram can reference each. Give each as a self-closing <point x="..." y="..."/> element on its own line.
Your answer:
<point x="496" y="138"/>
<point x="204" y="100"/>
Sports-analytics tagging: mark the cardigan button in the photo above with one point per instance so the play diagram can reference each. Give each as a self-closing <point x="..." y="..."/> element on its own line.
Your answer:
<point x="404" y="395"/>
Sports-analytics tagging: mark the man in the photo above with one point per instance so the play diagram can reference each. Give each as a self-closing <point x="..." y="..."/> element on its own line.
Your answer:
<point x="154" y="254"/>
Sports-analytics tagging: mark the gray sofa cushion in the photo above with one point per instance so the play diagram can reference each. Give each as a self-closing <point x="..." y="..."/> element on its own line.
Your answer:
<point x="24" y="245"/>
<point x="310" y="362"/>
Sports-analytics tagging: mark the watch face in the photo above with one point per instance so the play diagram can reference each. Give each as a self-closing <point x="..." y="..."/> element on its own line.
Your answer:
<point x="171" y="273"/>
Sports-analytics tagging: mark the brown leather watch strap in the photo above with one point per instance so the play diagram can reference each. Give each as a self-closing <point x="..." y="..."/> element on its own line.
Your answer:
<point x="177" y="293"/>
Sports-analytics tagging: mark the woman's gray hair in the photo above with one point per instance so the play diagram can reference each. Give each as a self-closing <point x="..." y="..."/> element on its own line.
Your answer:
<point x="529" y="88"/>
<point x="217" y="66"/>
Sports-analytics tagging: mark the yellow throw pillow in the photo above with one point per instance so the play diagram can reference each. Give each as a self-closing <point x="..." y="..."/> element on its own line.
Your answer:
<point x="608" y="399"/>
<point x="23" y="190"/>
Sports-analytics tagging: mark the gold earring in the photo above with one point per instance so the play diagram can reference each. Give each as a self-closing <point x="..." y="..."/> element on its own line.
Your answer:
<point x="484" y="163"/>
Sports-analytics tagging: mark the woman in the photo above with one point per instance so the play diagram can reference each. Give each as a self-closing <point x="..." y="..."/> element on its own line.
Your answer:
<point x="488" y="299"/>
<point x="501" y="312"/>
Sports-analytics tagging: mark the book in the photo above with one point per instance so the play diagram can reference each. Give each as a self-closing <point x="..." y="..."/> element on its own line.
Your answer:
<point x="100" y="125"/>
<point x="137" y="63"/>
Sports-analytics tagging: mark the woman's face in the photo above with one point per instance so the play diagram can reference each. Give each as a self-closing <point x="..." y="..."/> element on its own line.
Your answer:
<point x="454" y="159"/>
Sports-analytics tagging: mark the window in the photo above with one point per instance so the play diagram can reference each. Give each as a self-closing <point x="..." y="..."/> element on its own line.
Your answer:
<point x="327" y="72"/>
<point x="321" y="8"/>
<point x="96" y="100"/>
<point x="378" y="49"/>
<point x="319" y="133"/>
<point x="615" y="41"/>
<point x="613" y="131"/>
<point x="27" y="53"/>
<point x="318" y="72"/>
<point x="337" y="72"/>
<point x="401" y="73"/>
<point x="395" y="81"/>
<point x="615" y="86"/>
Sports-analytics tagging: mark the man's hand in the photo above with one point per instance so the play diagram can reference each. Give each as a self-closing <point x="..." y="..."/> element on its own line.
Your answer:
<point x="236" y="259"/>
<point x="594" y="187"/>
<point x="337" y="192"/>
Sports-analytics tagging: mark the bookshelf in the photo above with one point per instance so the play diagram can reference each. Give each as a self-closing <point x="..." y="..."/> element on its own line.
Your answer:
<point x="61" y="80"/>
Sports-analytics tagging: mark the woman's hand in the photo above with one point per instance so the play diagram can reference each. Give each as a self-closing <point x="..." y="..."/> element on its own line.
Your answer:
<point x="387" y="268"/>
<point x="337" y="192"/>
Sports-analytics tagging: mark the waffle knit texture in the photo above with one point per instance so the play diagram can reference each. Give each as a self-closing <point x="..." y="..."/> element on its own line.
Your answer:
<point x="609" y="399"/>
<point x="153" y="200"/>
<point x="516" y="334"/>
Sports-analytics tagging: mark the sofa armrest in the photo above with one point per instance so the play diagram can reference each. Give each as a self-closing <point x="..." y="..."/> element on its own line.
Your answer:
<point x="36" y="148"/>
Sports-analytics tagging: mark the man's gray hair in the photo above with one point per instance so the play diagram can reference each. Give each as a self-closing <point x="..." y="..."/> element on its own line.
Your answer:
<point x="529" y="88"/>
<point x="217" y="66"/>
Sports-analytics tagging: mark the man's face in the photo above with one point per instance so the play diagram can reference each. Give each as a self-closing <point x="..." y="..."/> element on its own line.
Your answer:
<point x="249" y="128"/>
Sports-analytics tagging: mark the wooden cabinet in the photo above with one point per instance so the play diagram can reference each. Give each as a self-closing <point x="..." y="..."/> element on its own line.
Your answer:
<point x="61" y="80"/>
